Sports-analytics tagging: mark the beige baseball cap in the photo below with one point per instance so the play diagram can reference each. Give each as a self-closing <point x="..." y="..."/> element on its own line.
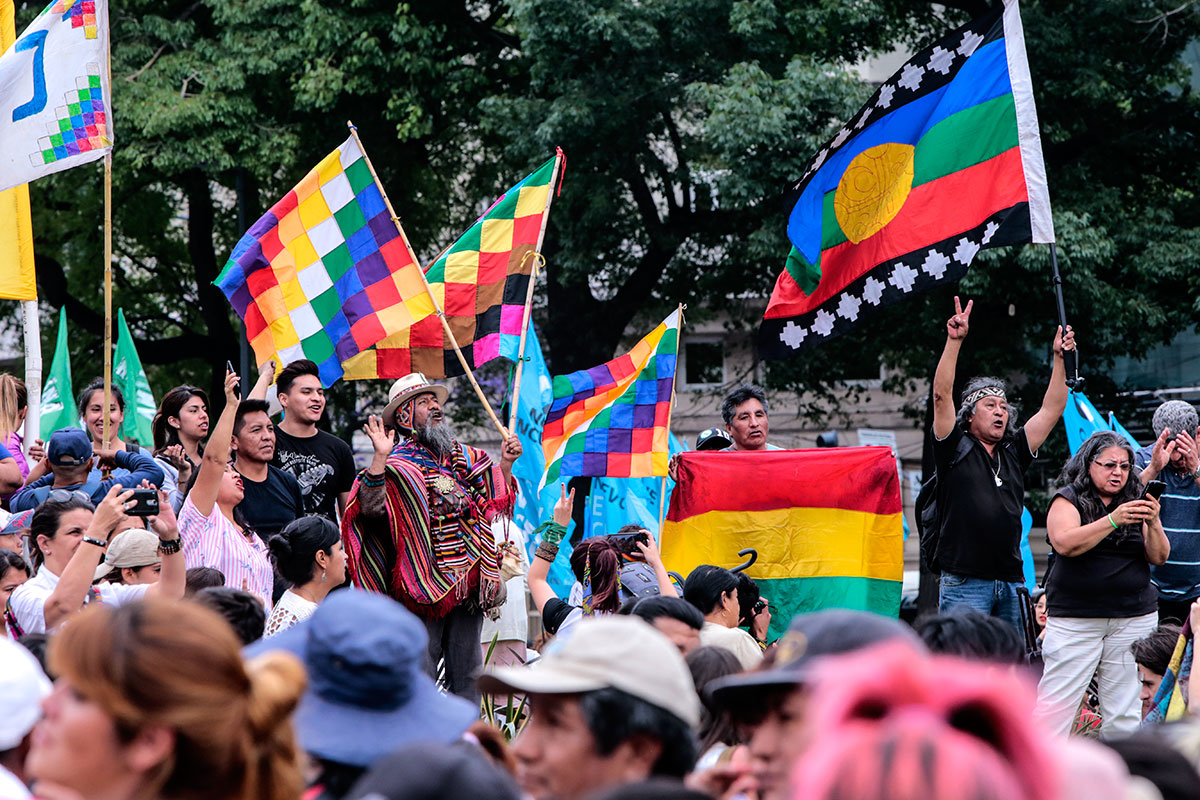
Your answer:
<point x="606" y="652"/>
<point x="132" y="547"/>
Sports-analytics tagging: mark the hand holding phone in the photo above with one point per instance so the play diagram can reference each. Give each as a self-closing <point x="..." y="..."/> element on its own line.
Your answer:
<point x="1154" y="489"/>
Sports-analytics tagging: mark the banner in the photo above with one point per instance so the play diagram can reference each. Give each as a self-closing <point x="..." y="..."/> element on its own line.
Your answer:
<point x="130" y="378"/>
<point x="55" y="103"/>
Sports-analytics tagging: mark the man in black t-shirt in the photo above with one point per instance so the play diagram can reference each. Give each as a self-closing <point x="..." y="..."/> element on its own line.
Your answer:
<point x="981" y="459"/>
<point x="320" y="461"/>
<point x="272" y="496"/>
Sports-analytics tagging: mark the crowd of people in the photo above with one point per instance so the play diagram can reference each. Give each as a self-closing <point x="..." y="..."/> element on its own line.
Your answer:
<point x="235" y="611"/>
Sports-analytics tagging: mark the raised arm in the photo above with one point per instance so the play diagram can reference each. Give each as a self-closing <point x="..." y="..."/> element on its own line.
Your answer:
<point x="543" y="557"/>
<point x="173" y="579"/>
<point x="1040" y="424"/>
<point x="650" y="552"/>
<point x="266" y="376"/>
<point x="943" y="378"/>
<point x="216" y="454"/>
<point x="73" y="584"/>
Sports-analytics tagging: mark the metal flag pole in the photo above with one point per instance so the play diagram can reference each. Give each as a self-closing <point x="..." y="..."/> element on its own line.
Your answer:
<point x="1070" y="357"/>
<point x="429" y="289"/>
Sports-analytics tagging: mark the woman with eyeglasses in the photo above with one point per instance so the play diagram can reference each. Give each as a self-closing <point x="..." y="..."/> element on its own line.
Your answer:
<point x="1106" y="533"/>
<point x="68" y="538"/>
<point x="179" y="430"/>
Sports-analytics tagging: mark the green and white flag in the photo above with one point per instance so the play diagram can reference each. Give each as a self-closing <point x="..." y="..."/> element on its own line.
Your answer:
<point x="58" y="401"/>
<point x="130" y="378"/>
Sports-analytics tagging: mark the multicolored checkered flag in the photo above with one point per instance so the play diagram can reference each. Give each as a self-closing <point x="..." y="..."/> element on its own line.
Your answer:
<point x="327" y="272"/>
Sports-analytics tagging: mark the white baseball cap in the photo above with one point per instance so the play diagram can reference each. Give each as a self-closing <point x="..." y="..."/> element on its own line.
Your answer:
<point x="132" y="547"/>
<point x="22" y="687"/>
<point x="614" y="652"/>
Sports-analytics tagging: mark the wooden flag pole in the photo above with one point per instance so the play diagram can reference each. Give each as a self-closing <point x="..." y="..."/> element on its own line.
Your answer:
<point x="516" y="396"/>
<point x="662" y="489"/>
<point x="429" y="289"/>
<point x="539" y="260"/>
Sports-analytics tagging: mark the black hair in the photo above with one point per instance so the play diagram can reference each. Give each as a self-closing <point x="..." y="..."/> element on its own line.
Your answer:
<point x="1077" y="474"/>
<point x="202" y="578"/>
<point x="748" y="595"/>
<point x="239" y="514"/>
<point x="1150" y="756"/>
<point x="36" y="643"/>
<point x="965" y="412"/>
<point x="972" y="635"/>
<point x="747" y="391"/>
<point x="294" y="549"/>
<point x="707" y="664"/>
<point x="97" y="385"/>
<point x="705" y="586"/>
<point x="44" y="522"/>
<point x="287" y="376"/>
<point x="249" y="407"/>
<point x="10" y="560"/>
<point x="243" y="611"/>
<point x="1154" y="651"/>
<point x="337" y="779"/>
<point x="657" y="607"/>
<point x="613" y="716"/>
<point x="172" y="404"/>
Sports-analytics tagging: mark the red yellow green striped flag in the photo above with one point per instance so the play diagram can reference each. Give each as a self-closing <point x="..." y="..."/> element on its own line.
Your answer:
<point x="826" y="524"/>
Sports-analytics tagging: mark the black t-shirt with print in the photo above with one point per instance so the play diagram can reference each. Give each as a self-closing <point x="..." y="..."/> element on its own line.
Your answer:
<point x="981" y="521"/>
<point x="271" y="504"/>
<point x="323" y="464"/>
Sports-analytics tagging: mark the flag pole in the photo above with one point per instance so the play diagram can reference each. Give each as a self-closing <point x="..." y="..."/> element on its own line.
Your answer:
<point x="516" y="396"/>
<point x="662" y="488"/>
<point x="33" y="373"/>
<point x="429" y="289"/>
<point x="1070" y="357"/>
<point x="537" y="254"/>
<point x="107" y="297"/>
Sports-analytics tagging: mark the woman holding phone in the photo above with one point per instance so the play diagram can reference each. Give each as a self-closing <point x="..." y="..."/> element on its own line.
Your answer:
<point x="1106" y="533"/>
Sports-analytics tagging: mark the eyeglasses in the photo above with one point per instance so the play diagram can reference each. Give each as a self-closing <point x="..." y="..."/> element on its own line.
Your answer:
<point x="1124" y="466"/>
<point x="67" y="495"/>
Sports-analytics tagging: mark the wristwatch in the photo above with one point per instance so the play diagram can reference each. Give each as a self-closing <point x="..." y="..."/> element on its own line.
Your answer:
<point x="93" y="540"/>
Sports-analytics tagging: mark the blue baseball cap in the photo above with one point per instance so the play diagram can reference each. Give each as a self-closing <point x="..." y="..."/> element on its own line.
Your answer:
<point x="368" y="694"/>
<point x="68" y="447"/>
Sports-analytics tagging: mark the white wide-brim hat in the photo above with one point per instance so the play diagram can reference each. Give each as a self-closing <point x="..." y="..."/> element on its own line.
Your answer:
<point x="409" y="386"/>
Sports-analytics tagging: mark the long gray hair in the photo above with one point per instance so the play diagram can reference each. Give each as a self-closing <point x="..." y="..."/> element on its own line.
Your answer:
<point x="1077" y="474"/>
<point x="965" y="411"/>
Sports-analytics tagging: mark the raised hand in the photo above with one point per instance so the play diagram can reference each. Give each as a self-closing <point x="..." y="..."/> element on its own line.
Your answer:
<point x="1187" y="445"/>
<point x="111" y="511"/>
<point x="649" y="549"/>
<point x="564" y="506"/>
<point x="510" y="450"/>
<point x="1160" y="456"/>
<point x="381" y="437"/>
<point x="1064" y="343"/>
<point x="956" y="326"/>
<point x="231" y="386"/>
<point x="164" y="523"/>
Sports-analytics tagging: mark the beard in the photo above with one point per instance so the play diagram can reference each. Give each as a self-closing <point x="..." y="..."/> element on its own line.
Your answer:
<point x="436" y="436"/>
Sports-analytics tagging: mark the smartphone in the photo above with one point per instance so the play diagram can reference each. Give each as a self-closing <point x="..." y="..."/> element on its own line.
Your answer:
<point x="229" y="367"/>
<point x="144" y="503"/>
<point x="1154" y="489"/>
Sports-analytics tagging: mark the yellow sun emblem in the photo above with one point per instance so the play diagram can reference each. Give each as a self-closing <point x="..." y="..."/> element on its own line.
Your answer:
<point x="873" y="189"/>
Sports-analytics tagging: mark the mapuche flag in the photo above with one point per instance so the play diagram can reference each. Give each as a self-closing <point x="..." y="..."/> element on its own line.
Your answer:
<point x="480" y="282"/>
<point x="613" y="420"/>
<point x="944" y="160"/>
<point x="327" y="272"/>
<point x="827" y="525"/>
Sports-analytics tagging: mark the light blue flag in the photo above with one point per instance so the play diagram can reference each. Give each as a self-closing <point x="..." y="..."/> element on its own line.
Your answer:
<point x="1026" y="553"/>
<point x="1119" y="428"/>
<point x="532" y="508"/>
<point x="615" y="502"/>
<point x="1081" y="420"/>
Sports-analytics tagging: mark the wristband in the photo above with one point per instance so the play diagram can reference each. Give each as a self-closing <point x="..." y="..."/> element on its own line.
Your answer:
<point x="93" y="540"/>
<point x="547" y="551"/>
<point x="168" y="547"/>
<point x="372" y="481"/>
<point x="1110" y="522"/>
<point x="551" y="532"/>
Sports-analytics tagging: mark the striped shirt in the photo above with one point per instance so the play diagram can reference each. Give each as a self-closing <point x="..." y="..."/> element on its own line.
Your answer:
<point x="214" y="541"/>
<point x="1179" y="578"/>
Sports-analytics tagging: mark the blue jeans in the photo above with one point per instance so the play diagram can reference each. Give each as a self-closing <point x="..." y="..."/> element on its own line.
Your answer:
<point x="994" y="598"/>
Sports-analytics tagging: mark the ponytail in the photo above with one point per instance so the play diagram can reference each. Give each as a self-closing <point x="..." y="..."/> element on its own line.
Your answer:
<point x="277" y="682"/>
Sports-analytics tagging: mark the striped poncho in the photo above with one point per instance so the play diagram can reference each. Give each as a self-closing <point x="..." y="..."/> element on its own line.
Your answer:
<point x="398" y="545"/>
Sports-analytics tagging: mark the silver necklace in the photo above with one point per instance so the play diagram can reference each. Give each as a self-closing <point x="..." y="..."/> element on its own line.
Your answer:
<point x="996" y="473"/>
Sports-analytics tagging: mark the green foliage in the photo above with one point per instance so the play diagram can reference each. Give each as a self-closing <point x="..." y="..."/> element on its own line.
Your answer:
<point x="682" y="120"/>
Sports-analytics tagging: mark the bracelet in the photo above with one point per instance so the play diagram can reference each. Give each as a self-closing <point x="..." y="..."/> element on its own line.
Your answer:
<point x="547" y="551"/>
<point x="372" y="481"/>
<point x="167" y="547"/>
<point x="1110" y="522"/>
<point x="93" y="540"/>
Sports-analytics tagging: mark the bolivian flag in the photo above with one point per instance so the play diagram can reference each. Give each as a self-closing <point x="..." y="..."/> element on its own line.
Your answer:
<point x="826" y="524"/>
<point x="943" y="161"/>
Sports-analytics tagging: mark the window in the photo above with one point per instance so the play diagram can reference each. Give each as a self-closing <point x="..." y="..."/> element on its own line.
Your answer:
<point x="703" y="363"/>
